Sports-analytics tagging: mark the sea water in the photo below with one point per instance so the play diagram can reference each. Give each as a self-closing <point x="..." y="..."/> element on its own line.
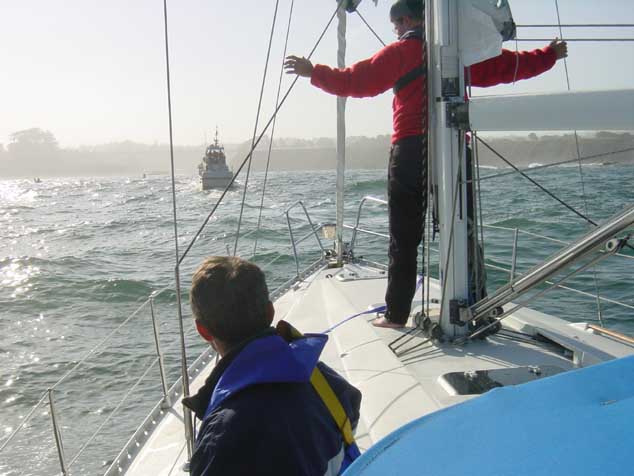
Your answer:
<point x="79" y="256"/>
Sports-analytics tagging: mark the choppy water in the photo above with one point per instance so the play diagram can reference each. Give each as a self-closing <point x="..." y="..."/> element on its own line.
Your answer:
<point x="80" y="255"/>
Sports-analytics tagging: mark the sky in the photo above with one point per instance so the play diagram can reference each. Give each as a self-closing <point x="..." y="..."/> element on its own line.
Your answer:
<point x="93" y="71"/>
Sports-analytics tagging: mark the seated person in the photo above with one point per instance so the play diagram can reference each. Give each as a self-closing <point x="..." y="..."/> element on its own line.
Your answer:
<point x="261" y="407"/>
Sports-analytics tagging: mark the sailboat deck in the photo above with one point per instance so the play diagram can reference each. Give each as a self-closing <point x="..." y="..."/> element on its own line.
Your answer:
<point x="396" y="389"/>
<point x="397" y="386"/>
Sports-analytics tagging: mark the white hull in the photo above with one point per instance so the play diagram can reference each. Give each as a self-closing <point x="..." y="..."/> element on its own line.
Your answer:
<point x="396" y="388"/>
<point x="209" y="181"/>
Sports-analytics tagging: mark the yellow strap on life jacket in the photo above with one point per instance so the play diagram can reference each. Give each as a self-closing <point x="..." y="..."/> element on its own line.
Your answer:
<point x="327" y="395"/>
<point x="324" y="390"/>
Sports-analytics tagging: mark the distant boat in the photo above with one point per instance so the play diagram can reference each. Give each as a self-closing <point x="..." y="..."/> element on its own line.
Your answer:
<point x="37" y="180"/>
<point x="213" y="169"/>
<point x="149" y="173"/>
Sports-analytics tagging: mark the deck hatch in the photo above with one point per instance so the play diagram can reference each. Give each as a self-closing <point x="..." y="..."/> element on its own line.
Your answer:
<point x="478" y="382"/>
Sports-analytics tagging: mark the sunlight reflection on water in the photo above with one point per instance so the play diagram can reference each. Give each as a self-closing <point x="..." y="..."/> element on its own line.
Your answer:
<point x="16" y="275"/>
<point x="17" y="192"/>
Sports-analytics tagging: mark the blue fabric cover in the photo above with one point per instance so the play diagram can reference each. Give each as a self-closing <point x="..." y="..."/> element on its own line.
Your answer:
<point x="575" y="423"/>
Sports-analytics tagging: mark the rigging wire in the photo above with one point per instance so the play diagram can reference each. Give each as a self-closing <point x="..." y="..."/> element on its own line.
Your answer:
<point x="265" y="128"/>
<point x="580" y="25"/>
<point x="187" y="417"/>
<point x="277" y="101"/>
<point x="561" y="35"/>
<point x="581" y="177"/>
<point x="541" y="187"/>
<point x="371" y="29"/>
<point x="451" y="238"/>
<point x="24" y="421"/>
<point x="86" y="443"/>
<point x="555" y="164"/>
<point x="255" y="127"/>
<point x="530" y="299"/>
<point x="625" y="40"/>
<point x="428" y="223"/>
<point x="473" y="246"/>
<point x="479" y="218"/>
<point x="476" y="198"/>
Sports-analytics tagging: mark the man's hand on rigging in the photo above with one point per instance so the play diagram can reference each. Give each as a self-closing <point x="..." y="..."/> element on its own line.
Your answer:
<point x="560" y="47"/>
<point x="299" y="66"/>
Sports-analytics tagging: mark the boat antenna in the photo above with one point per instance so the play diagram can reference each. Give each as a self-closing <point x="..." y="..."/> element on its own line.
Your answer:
<point x="187" y="417"/>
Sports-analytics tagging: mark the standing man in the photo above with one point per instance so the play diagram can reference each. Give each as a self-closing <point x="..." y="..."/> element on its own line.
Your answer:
<point x="399" y="66"/>
<point x="269" y="407"/>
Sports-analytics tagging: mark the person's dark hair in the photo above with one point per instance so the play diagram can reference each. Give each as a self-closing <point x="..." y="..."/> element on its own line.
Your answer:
<point x="407" y="8"/>
<point x="229" y="297"/>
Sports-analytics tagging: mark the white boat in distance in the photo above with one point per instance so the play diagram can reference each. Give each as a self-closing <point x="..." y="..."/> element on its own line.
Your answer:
<point x="213" y="170"/>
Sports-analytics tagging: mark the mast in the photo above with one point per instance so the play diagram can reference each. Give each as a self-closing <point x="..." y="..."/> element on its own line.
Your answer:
<point x="341" y="133"/>
<point x="450" y="164"/>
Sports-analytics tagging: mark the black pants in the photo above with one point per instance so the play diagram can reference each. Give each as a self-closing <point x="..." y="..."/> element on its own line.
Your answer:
<point x="407" y="204"/>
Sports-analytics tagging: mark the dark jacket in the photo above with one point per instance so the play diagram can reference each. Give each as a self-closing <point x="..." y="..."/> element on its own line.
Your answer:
<point x="260" y="414"/>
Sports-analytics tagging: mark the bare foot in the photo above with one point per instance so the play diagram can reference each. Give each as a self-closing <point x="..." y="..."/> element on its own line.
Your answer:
<point x="383" y="322"/>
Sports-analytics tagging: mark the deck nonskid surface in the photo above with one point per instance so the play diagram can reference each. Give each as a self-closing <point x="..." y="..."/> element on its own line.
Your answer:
<point x="396" y="388"/>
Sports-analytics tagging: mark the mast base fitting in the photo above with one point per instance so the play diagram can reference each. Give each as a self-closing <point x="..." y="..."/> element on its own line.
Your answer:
<point x="431" y="329"/>
<point x="494" y="329"/>
<point x="332" y="258"/>
<point x="459" y="312"/>
<point x="458" y="115"/>
<point x="450" y="87"/>
<point x="351" y="5"/>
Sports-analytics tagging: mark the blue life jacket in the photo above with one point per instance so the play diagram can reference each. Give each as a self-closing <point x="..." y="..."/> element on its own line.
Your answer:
<point x="271" y="359"/>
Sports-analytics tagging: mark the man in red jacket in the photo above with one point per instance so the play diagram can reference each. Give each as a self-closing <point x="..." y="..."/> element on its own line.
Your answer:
<point x="399" y="66"/>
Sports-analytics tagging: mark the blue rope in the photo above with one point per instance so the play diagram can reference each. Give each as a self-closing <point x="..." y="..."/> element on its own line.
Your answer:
<point x="380" y="308"/>
<point x="349" y="318"/>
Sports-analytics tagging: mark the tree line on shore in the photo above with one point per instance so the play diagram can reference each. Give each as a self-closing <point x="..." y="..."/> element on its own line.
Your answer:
<point x="36" y="153"/>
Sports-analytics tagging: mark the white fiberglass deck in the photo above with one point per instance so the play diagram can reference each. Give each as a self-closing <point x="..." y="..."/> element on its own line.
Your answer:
<point x="395" y="389"/>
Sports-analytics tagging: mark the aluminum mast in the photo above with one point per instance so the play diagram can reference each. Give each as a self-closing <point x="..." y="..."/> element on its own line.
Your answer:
<point x="450" y="161"/>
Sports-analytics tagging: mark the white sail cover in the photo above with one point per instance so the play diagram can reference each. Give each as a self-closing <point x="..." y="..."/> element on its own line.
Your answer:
<point x="563" y="111"/>
<point x="484" y="24"/>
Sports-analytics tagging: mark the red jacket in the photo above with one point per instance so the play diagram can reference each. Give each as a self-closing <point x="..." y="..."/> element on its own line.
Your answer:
<point x="376" y="75"/>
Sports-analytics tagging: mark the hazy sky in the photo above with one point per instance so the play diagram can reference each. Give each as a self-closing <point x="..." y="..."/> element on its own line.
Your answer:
<point x="93" y="71"/>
